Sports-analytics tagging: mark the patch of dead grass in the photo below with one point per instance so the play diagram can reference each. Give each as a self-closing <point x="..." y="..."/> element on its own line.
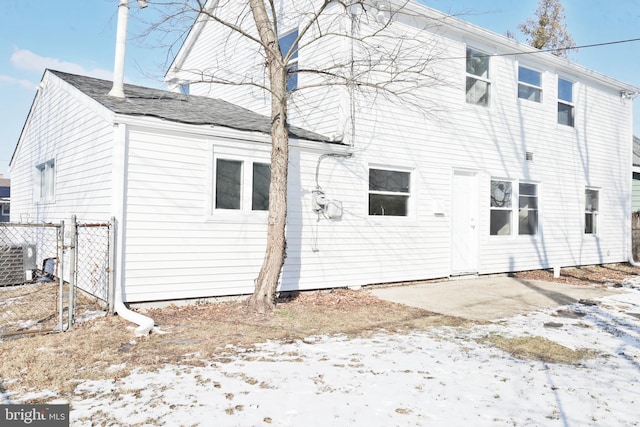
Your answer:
<point x="605" y="274"/>
<point x="196" y="335"/>
<point x="105" y="348"/>
<point x="540" y="349"/>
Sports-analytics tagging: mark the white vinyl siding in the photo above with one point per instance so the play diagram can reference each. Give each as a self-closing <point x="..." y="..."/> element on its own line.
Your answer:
<point x="74" y="133"/>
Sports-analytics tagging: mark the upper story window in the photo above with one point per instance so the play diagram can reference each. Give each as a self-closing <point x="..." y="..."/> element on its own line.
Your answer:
<point x="45" y="181"/>
<point x="529" y="84"/>
<point x="565" y="103"/>
<point x="231" y="180"/>
<point x="478" y="83"/>
<point x="184" y="88"/>
<point x="388" y="192"/>
<point x="591" y="211"/>
<point x="288" y="44"/>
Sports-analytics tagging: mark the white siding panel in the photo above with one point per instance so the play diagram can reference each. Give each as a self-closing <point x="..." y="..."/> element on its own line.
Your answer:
<point x="63" y="128"/>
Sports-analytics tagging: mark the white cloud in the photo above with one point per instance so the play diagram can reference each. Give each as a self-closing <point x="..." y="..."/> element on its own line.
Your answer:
<point x="26" y="60"/>
<point x="12" y="81"/>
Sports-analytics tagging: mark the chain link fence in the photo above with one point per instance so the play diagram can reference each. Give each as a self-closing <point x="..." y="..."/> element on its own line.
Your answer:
<point x="30" y="294"/>
<point x="52" y="273"/>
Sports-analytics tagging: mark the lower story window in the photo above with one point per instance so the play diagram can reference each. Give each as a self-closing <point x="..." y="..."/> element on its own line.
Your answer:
<point x="229" y="185"/>
<point x="388" y="192"/>
<point x="503" y="208"/>
<point x="260" y="189"/>
<point x="500" y="221"/>
<point x="527" y="209"/>
<point x="591" y="211"/>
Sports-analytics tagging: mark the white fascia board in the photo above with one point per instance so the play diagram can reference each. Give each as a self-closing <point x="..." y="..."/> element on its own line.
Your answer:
<point x="51" y="80"/>
<point x="192" y="37"/>
<point x="225" y="132"/>
<point x="202" y="130"/>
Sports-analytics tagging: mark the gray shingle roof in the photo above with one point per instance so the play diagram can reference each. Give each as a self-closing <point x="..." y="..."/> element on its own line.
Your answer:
<point x="176" y="107"/>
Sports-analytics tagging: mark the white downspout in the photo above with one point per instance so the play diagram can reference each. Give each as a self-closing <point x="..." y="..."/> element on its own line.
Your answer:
<point x="145" y="324"/>
<point x="630" y="95"/>
<point x="119" y="172"/>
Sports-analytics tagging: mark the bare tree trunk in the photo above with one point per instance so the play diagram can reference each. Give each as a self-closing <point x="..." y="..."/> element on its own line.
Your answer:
<point x="263" y="298"/>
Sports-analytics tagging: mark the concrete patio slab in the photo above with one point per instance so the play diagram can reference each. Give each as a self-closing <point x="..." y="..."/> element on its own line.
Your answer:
<point x="488" y="298"/>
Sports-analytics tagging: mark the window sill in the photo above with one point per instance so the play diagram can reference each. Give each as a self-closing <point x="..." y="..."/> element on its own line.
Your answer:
<point x="531" y="104"/>
<point x="391" y="220"/>
<point x="238" y="217"/>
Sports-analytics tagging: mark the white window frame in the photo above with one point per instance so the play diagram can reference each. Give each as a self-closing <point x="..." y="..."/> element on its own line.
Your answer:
<point x="408" y="195"/>
<point x="6" y="208"/>
<point x="45" y="182"/>
<point x="241" y="184"/>
<point x="478" y="78"/>
<point x="245" y="212"/>
<point x="530" y="86"/>
<point x="594" y="213"/>
<point x="515" y="207"/>
<point x="568" y="103"/>
<point x="292" y="64"/>
<point x="526" y="208"/>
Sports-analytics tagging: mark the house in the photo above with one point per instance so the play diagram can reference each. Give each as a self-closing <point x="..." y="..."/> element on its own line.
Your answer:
<point x="517" y="164"/>
<point x="5" y="198"/>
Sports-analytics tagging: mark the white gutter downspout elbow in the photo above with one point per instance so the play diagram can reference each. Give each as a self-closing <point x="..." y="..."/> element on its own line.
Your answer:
<point x="145" y="324"/>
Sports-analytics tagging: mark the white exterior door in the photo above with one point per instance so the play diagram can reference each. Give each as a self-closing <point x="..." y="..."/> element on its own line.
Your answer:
<point x="464" y="218"/>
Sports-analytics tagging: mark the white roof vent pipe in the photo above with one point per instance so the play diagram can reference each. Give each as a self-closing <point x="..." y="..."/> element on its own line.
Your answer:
<point x="121" y="43"/>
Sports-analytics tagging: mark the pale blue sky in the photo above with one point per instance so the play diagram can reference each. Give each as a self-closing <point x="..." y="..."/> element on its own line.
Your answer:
<point x="78" y="36"/>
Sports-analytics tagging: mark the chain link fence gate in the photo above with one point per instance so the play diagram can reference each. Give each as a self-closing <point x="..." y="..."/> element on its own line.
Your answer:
<point x="53" y="274"/>
<point x="93" y="248"/>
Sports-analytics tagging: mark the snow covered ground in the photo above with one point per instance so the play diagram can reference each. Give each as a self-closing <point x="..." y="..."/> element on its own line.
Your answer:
<point x="441" y="377"/>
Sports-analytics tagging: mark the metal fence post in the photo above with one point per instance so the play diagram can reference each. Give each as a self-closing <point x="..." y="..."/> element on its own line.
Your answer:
<point x="59" y="271"/>
<point x="111" y="271"/>
<point x="73" y="245"/>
